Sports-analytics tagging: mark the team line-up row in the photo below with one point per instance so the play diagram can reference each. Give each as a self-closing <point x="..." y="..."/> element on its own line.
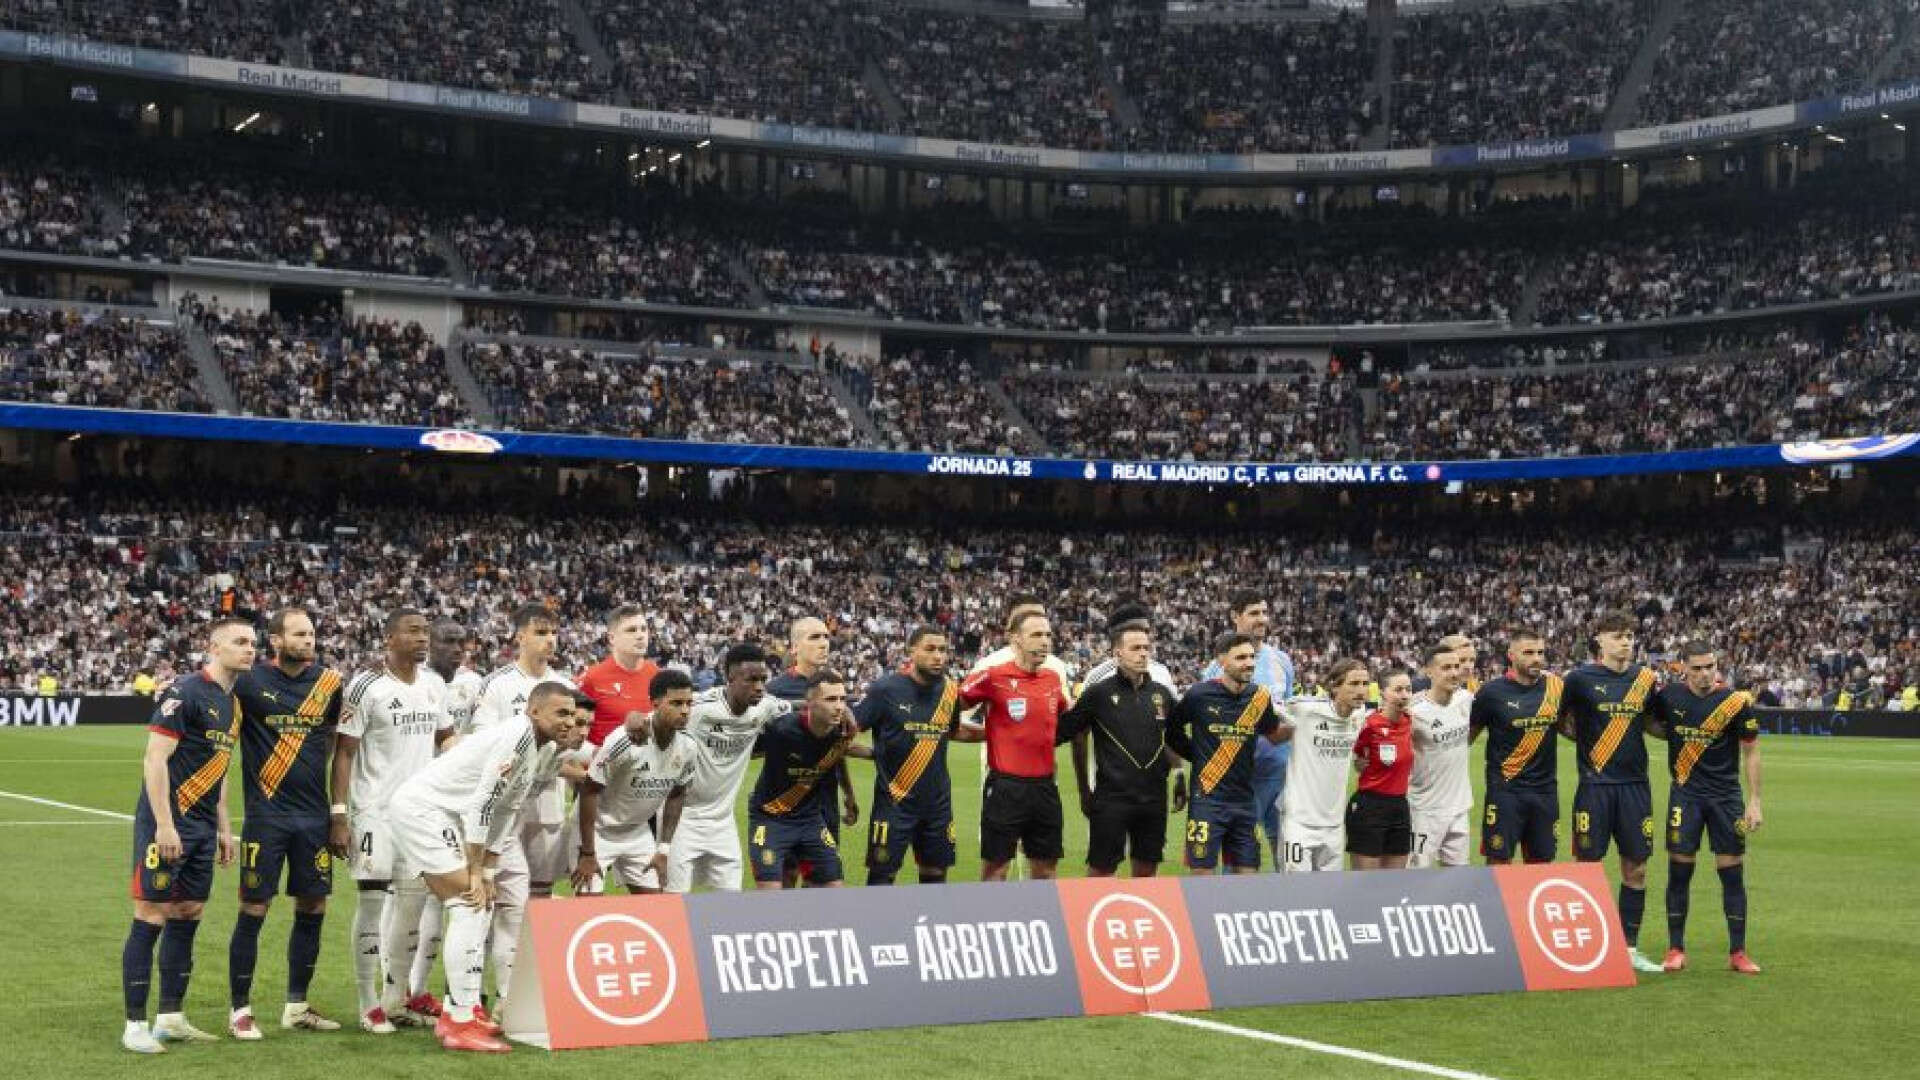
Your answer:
<point x="446" y="791"/>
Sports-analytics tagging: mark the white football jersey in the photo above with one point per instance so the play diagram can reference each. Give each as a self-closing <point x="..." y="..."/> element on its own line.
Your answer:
<point x="482" y="780"/>
<point x="636" y="778"/>
<point x="725" y="740"/>
<point x="1441" y="784"/>
<point x="463" y="693"/>
<point x="1321" y="763"/>
<point x="395" y="722"/>
<point x="503" y="695"/>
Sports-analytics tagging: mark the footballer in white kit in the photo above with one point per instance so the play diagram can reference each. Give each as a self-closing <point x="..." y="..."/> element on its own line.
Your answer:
<point x="1440" y="789"/>
<point x="1313" y="826"/>
<point x="503" y="695"/>
<point x="642" y="769"/>
<point x="397" y="724"/>
<point x="724" y="724"/>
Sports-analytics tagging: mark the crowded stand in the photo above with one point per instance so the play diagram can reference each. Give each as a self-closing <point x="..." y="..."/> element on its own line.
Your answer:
<point x="577" y="390"/>
<point x="568" y="253"/>
<point x="274" y="219"/>
<point x="1506" y="74"/>
<point x="1728" y="56"/>
<point x="324" y="367"/>
<point x="934" y="403"/>
<point x="1243" y="88"/>
<point x="108" y="361"/>
<point x="233" y="29"/>
<point x="49" y="208"/>
<point x="504" y="46"/>
<point x="1249" y="419"/>
<point x="1840" y="603"/>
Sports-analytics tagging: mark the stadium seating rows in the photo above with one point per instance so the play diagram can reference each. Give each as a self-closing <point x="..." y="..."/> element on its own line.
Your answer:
<point x="1472" y="74"/>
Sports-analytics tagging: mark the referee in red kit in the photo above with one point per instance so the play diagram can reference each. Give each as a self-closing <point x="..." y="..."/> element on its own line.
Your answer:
<point x="1379" y="825"/>
<point x="1020" y="809"/>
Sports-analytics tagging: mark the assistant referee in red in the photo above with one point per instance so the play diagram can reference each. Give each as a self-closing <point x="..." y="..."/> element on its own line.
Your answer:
<point x="1379" y="823"/>
<point x="1020" y="809"/>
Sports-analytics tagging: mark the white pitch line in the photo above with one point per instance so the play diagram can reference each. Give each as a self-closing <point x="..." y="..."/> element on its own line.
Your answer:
<point x="1320" y="1047"/>
<point x="22" y="824"/>
<point x="114" y="814"/>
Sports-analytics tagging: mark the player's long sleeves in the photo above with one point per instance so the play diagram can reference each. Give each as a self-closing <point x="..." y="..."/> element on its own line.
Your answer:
<point x="488" y="814"/>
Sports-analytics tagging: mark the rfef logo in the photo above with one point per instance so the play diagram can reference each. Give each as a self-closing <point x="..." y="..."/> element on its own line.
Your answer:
<point x="1133" y="944"/>
<point x="621" y="970"/>
<point x="1564" y="925"/>
<point x="606" y="971"/>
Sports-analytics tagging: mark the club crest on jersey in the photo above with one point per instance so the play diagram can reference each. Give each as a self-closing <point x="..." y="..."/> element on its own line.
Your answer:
<point x="1017" y="709"/>
<point x="170" y="706"/>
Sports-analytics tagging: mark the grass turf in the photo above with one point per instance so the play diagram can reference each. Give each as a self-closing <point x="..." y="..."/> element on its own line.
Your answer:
<point x="1833" y="920"/>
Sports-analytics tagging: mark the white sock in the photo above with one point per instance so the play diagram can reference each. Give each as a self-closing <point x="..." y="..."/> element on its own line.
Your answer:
<point x="505" y="942"/>
<point x="400" y="939"/>
<point x="466" y="958"/>
<point x="429" y="952"/>
<point x="366" y="945"/>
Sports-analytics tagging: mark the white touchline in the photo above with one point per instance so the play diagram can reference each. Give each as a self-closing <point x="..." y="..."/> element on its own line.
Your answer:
<point x="19" y="824"/>
<point x="115" y="814"/>
<point x="1320" y="1047"/>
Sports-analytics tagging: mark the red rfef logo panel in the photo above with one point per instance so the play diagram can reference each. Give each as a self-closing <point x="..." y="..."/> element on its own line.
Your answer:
<point x="617" y="970"/>
<point x="1132" y="945"/>
<point x="1565" y="926"/>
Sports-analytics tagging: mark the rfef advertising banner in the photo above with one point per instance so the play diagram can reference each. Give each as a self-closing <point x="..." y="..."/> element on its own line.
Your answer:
<point x="633" y="970"/>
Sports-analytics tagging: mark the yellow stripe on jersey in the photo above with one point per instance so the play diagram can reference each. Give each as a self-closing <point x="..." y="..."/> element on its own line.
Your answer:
<point x="1223" y="755"/>
<point x="203" y="780"/>
<point x="1532" y="741"/>
<point x="1712" y="726"/>
<point x="1617" y="728"/>
<point x="787" y="801"/>
<point x="287" y="750"/>
<point x="923" y="752"/>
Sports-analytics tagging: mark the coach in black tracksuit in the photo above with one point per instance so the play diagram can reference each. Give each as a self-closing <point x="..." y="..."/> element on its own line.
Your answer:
<point x="1127" y="715"/>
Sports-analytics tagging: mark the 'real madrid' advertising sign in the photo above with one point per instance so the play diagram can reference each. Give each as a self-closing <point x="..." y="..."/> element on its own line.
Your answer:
<point x="610" y="971"/>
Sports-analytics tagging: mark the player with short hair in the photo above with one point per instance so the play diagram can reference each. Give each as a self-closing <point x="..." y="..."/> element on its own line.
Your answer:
<point x="801" y="751"/>
<point x="451" y="821"/>
<point x="1702" y="721"/>
<point x="1520" y="712"/>
<point x="1604" y="712"/>
<point x="1440" y="787"/>
<point x="447" y="656"/>
<point x="912" y="714"/>
<point x="641" y="769"/>
<point x="1379" y="821"/>
<point x="1248" y="613"/>
<point x="725" y="723"/>
<point x="289" y="708"/>
<point x="808" y="647"/>
<point x="1020" y="805"/>
<point x="393" y="720"/>
<point x="1126" y="715"/>
<point x="528" y="863"/>
<point x="1212" y="726"/>
<point x="180" y="830"/>
<point x="1313" y="826"/>
<point x="618" y="684"/>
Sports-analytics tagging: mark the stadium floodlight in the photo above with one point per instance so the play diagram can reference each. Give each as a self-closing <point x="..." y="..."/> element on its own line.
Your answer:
<point x="703" y="144"/>
<point x="673" y="159"/>
<point x="635" y="156"/>
<point x="245" y="124"/>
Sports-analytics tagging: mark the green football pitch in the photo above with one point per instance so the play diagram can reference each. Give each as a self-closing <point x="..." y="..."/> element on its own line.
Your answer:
<point x="1833" y="878"/>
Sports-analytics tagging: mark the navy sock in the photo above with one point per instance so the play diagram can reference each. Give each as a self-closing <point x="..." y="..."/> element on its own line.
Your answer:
<point x="176" y="962"/>
<point x="303" y="952"/>
<point x="243" y="954"/>
<point x="1633" y="908"/>
<point x="136" y="967"/>
<point x="880" y="876"/>
<point x="1733" y="900"/>
<point x="1679" y="897"/>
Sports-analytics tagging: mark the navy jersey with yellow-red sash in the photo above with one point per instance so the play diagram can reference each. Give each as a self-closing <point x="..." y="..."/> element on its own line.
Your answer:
<point x="1704" y="733"/>
<point x="783" y="821"/>
<point x="286" y="742"/>
<point x="1213" y="727"/>
<point x="1522" y="812"/>
<point x="1608" y="710"/>
<point x="204" y="720"/>
<point x="911" y="723"/>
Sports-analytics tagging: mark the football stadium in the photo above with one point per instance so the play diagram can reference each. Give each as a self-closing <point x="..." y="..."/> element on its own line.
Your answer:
<point x="1347" y="538"/>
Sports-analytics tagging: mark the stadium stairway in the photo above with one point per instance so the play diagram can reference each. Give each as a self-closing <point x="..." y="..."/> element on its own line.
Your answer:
<point x="1126" y="112"/>
<point x="1529" y="302"/>
<point x="581" y="24"/>
<point x="457" y="268"/>
<point x="1379" y="89"/>
<point x="846" y="398"/>
<point x="742" y="273"/>
<point x="1626" y="97"/>
<point x="206" y="363"/>
<point x="479" y="406"/>
<point x="1016" y="420"/>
